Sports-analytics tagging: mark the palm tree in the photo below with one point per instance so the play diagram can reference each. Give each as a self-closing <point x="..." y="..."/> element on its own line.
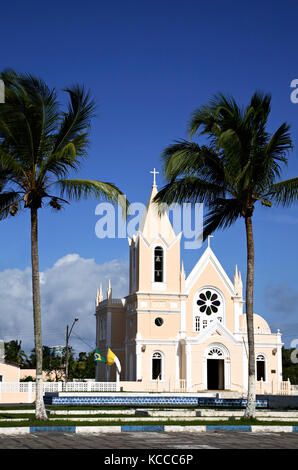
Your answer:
<point x="239" y="166"/>
<point x="40" y="144"/>
<point x="14" y="352"/>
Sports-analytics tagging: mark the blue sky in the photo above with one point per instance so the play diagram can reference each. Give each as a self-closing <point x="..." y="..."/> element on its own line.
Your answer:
<point x="149" y="65"/>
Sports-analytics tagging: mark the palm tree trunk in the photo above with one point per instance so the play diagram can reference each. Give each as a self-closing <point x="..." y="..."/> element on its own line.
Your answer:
<point x="250" y="410"/>
<point x="40" y="412"/>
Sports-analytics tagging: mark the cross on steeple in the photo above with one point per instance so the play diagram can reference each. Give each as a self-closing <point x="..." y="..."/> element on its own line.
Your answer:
<point x="154" y="172"/>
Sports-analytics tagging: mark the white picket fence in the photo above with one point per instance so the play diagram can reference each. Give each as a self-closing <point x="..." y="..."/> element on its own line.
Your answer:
<point x="20" y="392"/>
<point x="29" y="388"/>
<point x="271" y="388"/>
<point x="80" y="386"/>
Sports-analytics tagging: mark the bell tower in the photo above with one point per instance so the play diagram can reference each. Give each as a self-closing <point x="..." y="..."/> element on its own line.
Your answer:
<point x="156" y="281"/>
<point x="154" y="252"/>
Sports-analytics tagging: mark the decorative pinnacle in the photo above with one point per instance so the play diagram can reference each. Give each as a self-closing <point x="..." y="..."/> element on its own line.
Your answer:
<point x="109" y="291"/>
<point x="238" y="286"/>
<point x="182" y="270"/>
<point x="99" y="296"/>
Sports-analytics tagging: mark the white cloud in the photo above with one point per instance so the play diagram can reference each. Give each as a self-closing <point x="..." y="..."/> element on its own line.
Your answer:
<point x="67" y="259"/>
<point x="68" y="290"/>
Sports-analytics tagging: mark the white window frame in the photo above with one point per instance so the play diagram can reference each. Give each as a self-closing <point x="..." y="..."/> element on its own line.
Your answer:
<point x="159" y="285"/>
<point x="265" y="366"/>
<point x="196" y="312"/>
<point x="162" y="368"/>
<point x="197" y="323"/>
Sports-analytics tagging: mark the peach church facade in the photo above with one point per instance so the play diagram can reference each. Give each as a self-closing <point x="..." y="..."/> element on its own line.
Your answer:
<point x="176" y="329"/>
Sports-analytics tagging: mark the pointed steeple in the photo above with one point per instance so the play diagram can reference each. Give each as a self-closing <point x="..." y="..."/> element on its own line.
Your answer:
<point x="182" y="270"/>
<point x="154" y="255"/>
<point x="182" y="278"/>
<point x="236" y="274"/>
<point x="100" y="293"/>
<point x="238" y="286"/>
<point x="109" y="290"/>
<point x="99" y="296"/>
<point x="156" y="223"/>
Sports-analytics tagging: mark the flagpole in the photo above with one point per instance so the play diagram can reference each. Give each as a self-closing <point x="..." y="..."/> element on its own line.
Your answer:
<point x="117" y="380"/>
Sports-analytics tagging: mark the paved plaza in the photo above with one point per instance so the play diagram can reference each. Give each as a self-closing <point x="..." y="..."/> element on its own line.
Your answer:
<point x="154" y="440"/>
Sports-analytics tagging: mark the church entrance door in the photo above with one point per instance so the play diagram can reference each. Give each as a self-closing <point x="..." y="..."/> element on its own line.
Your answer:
<point x="215" y="374"/>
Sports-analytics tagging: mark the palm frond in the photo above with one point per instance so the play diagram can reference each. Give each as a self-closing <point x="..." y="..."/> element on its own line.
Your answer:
<point x="189" y="189"/>
<point x="280" y="143"/>
<point x="76" y="120"/>
<point x="187" y="158"/>
<point x="60" y="163"/>
<point x="84" y="188"/>
<point x="261" y="104"/>
<point x="284" y="192"/>
<point x="7" y="200"/>
<point x="29" y="115"/>
<point x="10" y="165"/>
<point x="223" y="213"/>
<point x="220" y="114"/>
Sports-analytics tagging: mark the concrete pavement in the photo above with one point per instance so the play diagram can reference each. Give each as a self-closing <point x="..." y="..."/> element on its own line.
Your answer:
<point x="150" y="440"/>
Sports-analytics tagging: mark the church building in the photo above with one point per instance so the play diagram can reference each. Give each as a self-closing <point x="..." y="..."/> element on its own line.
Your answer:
<point x="182" y="331"/>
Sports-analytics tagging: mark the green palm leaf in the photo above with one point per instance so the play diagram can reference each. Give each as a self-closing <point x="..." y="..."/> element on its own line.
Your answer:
<point x="77" y="189"/>
<point x="76" y="120"/>
<point x="285" y="192"/>
<point x="9" y="200"/>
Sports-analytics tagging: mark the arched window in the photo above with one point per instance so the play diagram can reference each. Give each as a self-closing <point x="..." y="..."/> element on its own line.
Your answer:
<point x="158" y="264"/>
<point x="261" y="367"/>
<point x="157" y="366"/>
<point x="215" y="352"/>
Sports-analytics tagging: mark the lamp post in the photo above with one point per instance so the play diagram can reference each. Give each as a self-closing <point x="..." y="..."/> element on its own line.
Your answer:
<point x="68" y="333"/>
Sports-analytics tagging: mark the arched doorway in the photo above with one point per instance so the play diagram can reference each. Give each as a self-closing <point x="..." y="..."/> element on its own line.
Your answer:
<point x="217" y="368"/>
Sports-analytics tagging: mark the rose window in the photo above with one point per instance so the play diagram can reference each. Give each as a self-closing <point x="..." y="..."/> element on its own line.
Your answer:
<point x="208" y="302"/>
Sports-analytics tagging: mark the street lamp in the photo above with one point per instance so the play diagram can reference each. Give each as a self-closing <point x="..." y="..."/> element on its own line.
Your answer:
<point x="68" y="333"/>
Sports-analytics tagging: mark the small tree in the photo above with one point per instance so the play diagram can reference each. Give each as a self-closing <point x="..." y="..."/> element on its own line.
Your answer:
<point x="14" y="352"/>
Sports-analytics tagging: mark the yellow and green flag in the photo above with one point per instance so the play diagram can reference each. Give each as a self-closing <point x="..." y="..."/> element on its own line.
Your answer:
<point x="112" y="358"/>
<point x="98" y="357"/>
